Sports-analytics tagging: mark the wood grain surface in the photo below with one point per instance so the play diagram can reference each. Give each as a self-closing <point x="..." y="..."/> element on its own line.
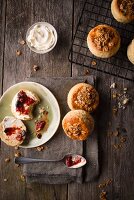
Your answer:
<point x="15" y="18"/>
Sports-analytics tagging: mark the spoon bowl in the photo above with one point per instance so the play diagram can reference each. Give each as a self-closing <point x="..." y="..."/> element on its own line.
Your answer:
<point x="71" y="160"/>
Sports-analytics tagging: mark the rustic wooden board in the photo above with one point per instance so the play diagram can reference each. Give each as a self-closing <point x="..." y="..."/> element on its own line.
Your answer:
<point x="19" y="16"/>
<point x="115" y="164"/>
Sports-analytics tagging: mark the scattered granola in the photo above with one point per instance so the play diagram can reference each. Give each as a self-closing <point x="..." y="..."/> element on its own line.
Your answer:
<point x="115" y="110"/>
<point x="40" y="148"/>
<point x="7" y="160"/>
<point x="103" y="195"/>
<point x="18" y="52"/>
<point x="105" y="183"/>
<point x="16" y="147"/>
<point x="113" y="86"/>
<point x="17" y="165"/>
<point x="22" y="178"/>
<point x="87" y="72"/>
<point x="35" y="68"/>
<point x="117" y="146"/>
<point x="17" y="154"/>
<point x="22" y="42"/>
<point x="93" y="63"/>
<point x="115" y="133"/>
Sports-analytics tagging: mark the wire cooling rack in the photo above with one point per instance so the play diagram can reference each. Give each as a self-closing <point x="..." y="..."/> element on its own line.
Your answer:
<point x="95" y="13"/>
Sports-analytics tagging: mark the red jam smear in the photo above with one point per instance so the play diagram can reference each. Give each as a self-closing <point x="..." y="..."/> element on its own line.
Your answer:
<point x="11" y="130"/>
<point x="70" y="162"/>
<point x="40" y="125"/>
<point x="23" y="99"/>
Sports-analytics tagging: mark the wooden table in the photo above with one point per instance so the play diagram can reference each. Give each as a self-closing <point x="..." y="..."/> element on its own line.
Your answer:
<point x="15" y="18"/>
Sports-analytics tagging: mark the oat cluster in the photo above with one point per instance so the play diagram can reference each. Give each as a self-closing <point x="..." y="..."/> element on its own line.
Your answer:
<point x="126" y="7"/>
<point x="104" y="39"/>
<point x="86" y="98"/>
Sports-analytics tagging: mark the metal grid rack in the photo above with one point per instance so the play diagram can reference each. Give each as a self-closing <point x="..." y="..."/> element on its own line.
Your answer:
<point x="93" y="14"/>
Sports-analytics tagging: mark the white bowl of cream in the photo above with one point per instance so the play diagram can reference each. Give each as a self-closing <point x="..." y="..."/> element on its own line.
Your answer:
<point x="41" y="37"/>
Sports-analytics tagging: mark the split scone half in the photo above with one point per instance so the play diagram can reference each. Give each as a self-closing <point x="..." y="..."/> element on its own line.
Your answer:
<point x="23" y="103"/>
<point x="12" y="131"/>
<point x="83" y="96"/>
<point x="103" y="41"/>
<point x="123" y="10"/>
<point x="130" y="52"/>
<point x="78" y="124"/>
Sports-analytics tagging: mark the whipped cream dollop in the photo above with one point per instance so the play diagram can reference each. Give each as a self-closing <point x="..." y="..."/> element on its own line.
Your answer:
<point x="41" y="37"/>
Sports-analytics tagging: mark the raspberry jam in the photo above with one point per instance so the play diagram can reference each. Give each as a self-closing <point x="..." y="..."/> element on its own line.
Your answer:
<point x="40" y="125"/>
<point x="11" y="130"/>
<point x="71" y="161"/>
<point x="23" y="99"/>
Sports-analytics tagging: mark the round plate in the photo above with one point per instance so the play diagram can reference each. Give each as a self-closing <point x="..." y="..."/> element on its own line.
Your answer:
<point x="47" y="100"/>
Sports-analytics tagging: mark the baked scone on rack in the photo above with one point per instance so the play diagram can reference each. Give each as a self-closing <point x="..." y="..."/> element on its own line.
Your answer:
<point x="103" y="41"/>
<point x="23" y="103"/>
<point x="12" y="131"/>
<point x="123" y="10"/>
<point x="83" y="96"/>
<point x="78" y="124"/>
<point x="130" y="52"/>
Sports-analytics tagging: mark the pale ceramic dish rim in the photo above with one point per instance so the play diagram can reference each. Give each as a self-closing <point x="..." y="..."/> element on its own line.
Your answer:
<point x="40" y="141"/>
<point x="45" y="51"/>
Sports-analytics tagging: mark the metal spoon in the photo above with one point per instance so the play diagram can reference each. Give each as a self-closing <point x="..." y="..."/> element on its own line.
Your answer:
<point x="70" y="160"/>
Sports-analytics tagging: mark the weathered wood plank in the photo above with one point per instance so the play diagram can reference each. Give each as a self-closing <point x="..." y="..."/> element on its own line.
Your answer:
<point x="19" y="16"/>
<point x="115" y="164"/>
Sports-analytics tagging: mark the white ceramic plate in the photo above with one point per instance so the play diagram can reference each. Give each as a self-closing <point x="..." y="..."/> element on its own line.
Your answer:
<point x="47" y="100"/>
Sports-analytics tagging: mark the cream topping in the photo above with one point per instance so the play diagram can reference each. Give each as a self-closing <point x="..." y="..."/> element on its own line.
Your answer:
<point x="41" y="37"/>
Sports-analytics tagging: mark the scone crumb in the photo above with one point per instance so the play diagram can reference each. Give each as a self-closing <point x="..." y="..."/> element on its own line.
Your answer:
<point x="18" y="52"/>
<point x="7" y="160"/>
<point x="22" y="178"/>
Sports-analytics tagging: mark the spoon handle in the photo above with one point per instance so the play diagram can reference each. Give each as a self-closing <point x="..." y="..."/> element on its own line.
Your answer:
<point x="24" y="160"/>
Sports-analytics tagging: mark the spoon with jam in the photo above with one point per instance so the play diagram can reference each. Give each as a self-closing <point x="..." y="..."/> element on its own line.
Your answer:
<point x="70" y="160"/>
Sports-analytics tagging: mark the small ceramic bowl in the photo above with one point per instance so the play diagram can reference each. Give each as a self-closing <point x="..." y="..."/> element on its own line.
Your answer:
<point x="45" y="50"/>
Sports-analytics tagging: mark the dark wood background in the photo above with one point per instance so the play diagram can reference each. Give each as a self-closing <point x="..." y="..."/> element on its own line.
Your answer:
<point x="15" y="18"/>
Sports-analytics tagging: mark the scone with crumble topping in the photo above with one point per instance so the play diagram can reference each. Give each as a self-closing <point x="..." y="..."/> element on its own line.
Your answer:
<point x="78" y="124"/>
<point x="130" y="52"/>
<point x="23" y="103"/>
<point x="103" y="41"/>
<point x="123" y="10"/>
<point x="83" y="96"/>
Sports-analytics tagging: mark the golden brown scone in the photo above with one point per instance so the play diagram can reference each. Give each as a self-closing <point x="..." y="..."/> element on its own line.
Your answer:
<point x="123" y="10"/>
<point x="83" y="96"/>
<point x="103" y="41"/>
<point x="130" y="52"/>
<point x="12" y="131"/>
<point x="78" y="124"/>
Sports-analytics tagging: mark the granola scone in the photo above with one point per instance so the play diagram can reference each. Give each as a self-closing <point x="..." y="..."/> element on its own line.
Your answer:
<point x="123" y="10"/>
<point x="83" y="96"/>
<point x="78" y="124"/>
<point x="130" y="52"/>
<point x="103" y="41"/>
